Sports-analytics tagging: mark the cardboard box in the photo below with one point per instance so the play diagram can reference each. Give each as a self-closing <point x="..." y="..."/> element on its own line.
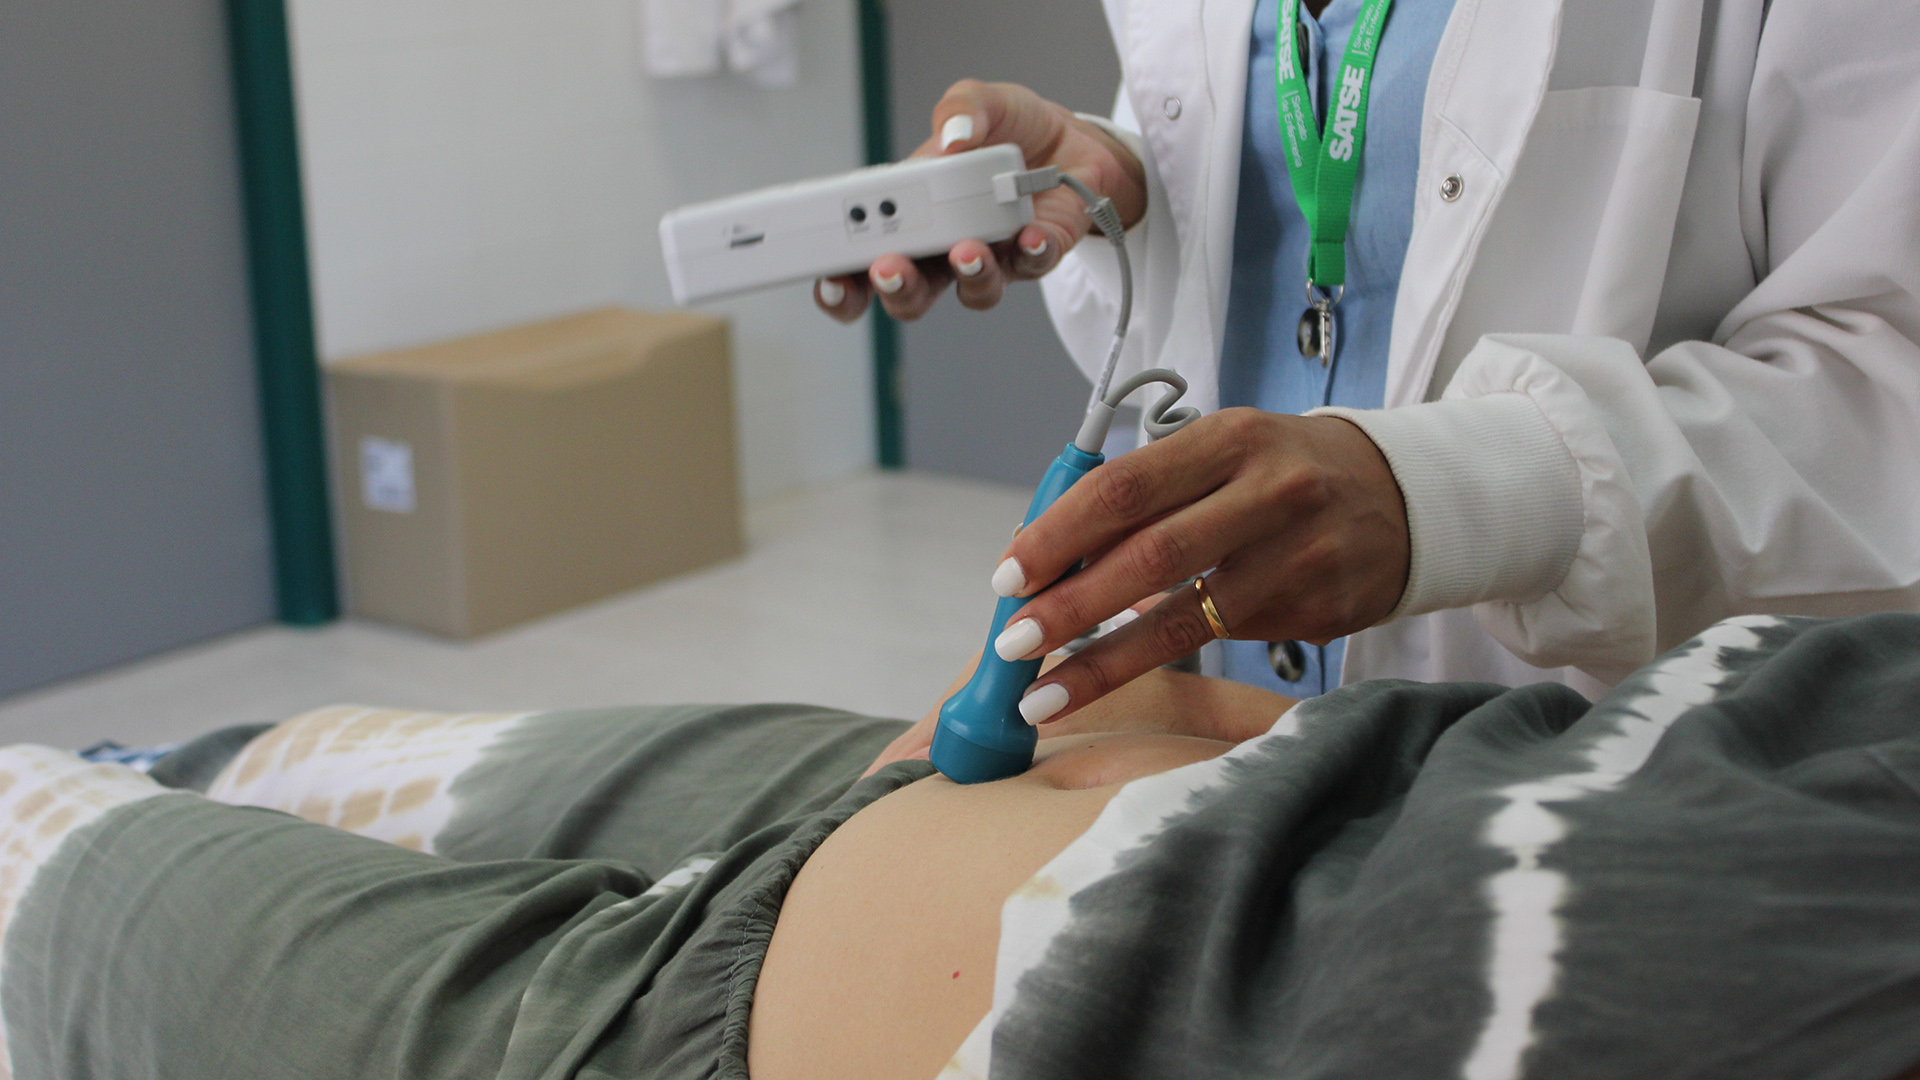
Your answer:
<point x="498" y="478"/>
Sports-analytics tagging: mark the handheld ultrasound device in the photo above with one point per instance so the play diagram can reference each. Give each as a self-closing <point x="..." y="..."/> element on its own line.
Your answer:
<point x="920" y="207"/>
<point x="840" y="224"/>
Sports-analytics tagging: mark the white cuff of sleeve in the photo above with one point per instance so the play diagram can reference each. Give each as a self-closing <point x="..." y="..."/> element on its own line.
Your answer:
<point x="1493" y="497"/>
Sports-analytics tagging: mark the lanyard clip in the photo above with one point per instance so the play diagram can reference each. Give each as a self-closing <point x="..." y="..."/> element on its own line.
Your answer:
<point x="1316" y="323"/>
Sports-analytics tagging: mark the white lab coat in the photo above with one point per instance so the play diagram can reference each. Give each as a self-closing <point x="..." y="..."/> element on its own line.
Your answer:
<point x="1656" y="364"/>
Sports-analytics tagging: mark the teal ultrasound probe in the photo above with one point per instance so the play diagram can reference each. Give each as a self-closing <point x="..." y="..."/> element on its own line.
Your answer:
<point x="981" y="735"/>
<point x="765" y="237"/>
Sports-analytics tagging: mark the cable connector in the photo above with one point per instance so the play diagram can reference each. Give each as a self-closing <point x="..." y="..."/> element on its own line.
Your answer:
<point x="1011" y="186"/>
<point x="1107" y="220"/>
<point x="1162" y="418"/>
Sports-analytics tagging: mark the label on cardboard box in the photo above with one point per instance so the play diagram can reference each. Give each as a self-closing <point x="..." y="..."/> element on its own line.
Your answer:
<point x="386" y="474"/>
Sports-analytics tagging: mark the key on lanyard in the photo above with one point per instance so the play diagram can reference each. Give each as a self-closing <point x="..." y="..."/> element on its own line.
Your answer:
<point x="1316" y="332"/>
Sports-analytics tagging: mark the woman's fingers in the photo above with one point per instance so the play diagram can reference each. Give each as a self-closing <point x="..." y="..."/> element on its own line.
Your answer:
<point x="1168" y="632"/>
<point x="979" y="279"/>
<point x="845" y="298"/>
<point x="1119" y="498"/>
<point x="1038" y="247"/>
<point x="1150" y="561"/>
<point x="972" y="114"/>
<point x="907" y="289"/>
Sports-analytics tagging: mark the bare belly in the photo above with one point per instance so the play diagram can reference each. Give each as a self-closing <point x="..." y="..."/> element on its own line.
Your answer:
<point x="883" y="957"/>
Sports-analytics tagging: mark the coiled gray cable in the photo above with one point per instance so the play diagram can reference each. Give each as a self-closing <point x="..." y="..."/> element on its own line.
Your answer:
<point x="1161" y="418"/>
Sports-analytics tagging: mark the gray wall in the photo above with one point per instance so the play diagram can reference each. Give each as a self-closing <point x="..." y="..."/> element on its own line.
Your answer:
<point x="992" y="394"/>
<point x="132" y="513"/>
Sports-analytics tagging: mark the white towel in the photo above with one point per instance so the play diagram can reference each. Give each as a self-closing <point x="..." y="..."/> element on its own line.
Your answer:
<point x="682" y="38"/>
<point x="757" y="39"/>
<point x="763" y="41"/>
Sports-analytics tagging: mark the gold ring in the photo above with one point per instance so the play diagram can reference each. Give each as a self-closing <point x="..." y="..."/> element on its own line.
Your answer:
<point x="1206" y="608"/>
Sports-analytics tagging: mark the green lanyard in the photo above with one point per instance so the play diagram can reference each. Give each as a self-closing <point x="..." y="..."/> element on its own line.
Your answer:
<point x="1322" y="171"/>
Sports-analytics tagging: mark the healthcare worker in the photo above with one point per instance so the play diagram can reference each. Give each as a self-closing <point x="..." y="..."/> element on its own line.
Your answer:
<point x="1603" y="314"/>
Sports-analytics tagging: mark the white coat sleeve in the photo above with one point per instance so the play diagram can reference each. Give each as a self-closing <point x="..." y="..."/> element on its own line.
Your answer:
<point x="1082" y="293"/>
<point x="1773" y="468"/>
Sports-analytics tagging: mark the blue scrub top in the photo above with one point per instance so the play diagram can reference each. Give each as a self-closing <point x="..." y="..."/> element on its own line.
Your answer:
<point x="1261" y="365"/>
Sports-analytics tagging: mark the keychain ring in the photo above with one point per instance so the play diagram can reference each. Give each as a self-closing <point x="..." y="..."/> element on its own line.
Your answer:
<point x="1318" y="297"/>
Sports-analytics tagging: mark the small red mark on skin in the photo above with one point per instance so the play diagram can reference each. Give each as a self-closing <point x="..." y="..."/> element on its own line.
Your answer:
<point x="956" y="974"/>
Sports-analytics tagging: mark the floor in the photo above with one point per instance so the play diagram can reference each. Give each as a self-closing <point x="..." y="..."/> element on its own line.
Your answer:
<point x="869" y="594"/>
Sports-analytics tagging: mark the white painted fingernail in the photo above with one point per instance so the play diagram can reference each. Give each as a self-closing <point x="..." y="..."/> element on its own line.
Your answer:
<point x="831" y="292"/>
<point x="888" y="283"/>
<point x="1018" y="640"/>
<point x="956" y="129"/>
<point x="1036" y="708"/>
<point x="1008" y="578"/>
<point x="1037" y="249"/>
<point x="971" y="266"/>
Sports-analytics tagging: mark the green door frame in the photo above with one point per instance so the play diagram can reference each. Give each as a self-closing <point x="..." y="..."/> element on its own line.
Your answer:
<point x="293" y="434"/>
<point x="876" y="96"/>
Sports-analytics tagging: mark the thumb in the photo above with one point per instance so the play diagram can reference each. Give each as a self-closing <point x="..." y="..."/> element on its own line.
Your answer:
<point x="972" y="114"/>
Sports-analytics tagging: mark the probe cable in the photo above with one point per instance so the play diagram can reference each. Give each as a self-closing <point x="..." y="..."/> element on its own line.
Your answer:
<point x="1161" y="418"/>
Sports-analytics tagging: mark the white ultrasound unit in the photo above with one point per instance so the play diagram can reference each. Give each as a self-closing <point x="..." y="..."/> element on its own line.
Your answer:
<point x="840" y="224"/>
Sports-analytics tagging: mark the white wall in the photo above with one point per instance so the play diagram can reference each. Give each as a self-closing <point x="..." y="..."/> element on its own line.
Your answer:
<point x="476" y="163"/>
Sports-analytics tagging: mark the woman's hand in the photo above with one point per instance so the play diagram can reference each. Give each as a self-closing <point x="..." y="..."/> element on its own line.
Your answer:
<point x="1298" y="518"/>
<point x="975" y="114"/>
<point x="1163" y="702"/>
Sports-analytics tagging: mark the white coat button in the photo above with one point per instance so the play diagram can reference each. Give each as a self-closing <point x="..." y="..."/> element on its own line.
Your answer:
<point x="1451" y="187"/>
<point x="1172" y="108"/>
